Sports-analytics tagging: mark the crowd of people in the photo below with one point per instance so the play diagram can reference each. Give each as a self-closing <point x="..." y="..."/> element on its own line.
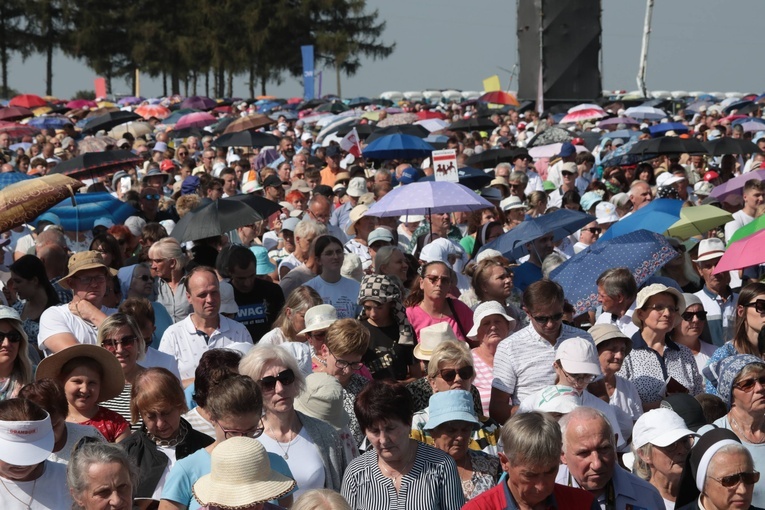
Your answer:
<point x="324" y="357"/>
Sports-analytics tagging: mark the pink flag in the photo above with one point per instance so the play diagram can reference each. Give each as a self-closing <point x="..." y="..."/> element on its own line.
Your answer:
<point x="350" y="143"/>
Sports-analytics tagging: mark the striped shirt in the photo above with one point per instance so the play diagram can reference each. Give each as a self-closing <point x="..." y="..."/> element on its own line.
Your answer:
<point x="121" y="405"/>
<point x="524" y="361"/>
<point x="431" y="484"/>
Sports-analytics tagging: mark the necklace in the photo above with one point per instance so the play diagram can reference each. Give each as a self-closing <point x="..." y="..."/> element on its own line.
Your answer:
<point x="28" y="504"/>
<point x="389" y="472"/>
<point x="743" y="432"/>
<point x="286" y="453"/>
<point x="179" y="437"/>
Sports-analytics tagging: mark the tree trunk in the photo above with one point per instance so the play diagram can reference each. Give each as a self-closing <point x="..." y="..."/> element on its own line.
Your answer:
<point x="3" y="59"/>
<point x="164" y="84"/>
<point x="221" y="91"/>
<point x="133" y="82"/>
<point x="108" y="81"/>
<point x="195" y="78"/>
<point x="338" y="65"/>
<point x="175" y="82"/>
<point x="251" y="83"/>
<point x="263" y="86"/>
<point x="230" y="84"/>
<point x="49" y="69"/>
<point x="207" y="82"/>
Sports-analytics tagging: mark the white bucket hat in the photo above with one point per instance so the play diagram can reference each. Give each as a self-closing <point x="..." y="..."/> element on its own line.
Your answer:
<point x="484" y="310"/>
<point x="319" y="317"/>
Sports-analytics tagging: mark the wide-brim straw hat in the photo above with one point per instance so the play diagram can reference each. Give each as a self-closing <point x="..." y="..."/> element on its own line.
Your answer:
<point x="83" y="261"/>
<point x="113" y="380"/>
<point x="240" y="476"/>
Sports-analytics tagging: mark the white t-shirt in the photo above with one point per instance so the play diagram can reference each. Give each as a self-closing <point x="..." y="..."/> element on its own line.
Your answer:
<point x="290" y="262"/>
<point x="198" y="423"/>
<point x="26" y="245"/>
<point x="154" y="358"/>
<point x="274" y="337"/>
<point x="169" y="451"/>
<point x="49" y="492"/>
<point x="626" y="398"/>
<point x="343" y="295"/>
<point x="302" y="458"/>
<point x="58" y="319"/>
<point x="74" y="432"/>
<point x="186" y="344"/>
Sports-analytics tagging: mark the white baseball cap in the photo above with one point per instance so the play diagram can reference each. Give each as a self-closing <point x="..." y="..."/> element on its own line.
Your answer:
<point x="578" y="355"/>
<point x="356" y="187"/>
<point x="660" y="427"/>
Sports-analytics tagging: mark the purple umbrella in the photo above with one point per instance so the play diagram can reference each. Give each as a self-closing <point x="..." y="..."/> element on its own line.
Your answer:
<point x="126" y="101"/>
<point x="195" y="120"/>
<point x="199" y="103"/>
<point x="615" y="121"/>
<point x="265" y="158"/>
<point x="736" y="185"/>
<point x="428" y="198"/>
<point x="750" y="124"/>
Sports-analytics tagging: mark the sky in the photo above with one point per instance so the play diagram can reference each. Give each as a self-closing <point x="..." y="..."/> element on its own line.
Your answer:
<point x="708" y="45"/>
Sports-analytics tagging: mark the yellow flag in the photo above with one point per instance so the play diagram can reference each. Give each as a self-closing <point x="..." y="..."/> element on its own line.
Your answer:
<point x="491" y="84"/>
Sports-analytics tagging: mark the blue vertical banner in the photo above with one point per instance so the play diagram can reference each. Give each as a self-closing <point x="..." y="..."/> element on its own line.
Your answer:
<point x="307" y="72"/>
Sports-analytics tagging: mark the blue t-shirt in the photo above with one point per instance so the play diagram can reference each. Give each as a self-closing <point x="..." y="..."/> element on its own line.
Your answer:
<point x="526" y="274"/>
<point x="188" y="470"/>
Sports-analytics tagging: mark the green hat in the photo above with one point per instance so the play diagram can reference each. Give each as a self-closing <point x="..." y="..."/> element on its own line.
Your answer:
<point x="548" y="186"/>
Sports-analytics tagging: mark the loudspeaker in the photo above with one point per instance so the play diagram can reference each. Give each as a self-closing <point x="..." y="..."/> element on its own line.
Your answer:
<point x="563" y="37"/>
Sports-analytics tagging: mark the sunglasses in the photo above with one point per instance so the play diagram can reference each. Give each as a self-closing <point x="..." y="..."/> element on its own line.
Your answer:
<point x="127" y="341"/>
<point x="143" y="277"/>
<point x="150" y="197"/>
<point x="450" y="374"/>
<point x="733" y="480"/>
<point x="593" y="230"/>
<point x="545" y="319"/>
<point x="285" y="377"/>
<point x="13" y="337"/>
<point x="759" y="305"/>
<point x="445" y="280"/>
<point x="747" y="385"/>
<point x="688" y="316"/>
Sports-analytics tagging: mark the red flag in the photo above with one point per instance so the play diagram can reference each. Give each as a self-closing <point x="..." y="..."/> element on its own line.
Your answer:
<point x="350" y="143"/>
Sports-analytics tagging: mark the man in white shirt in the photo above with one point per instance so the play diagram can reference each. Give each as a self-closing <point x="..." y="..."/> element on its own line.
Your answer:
<point x="753" y="197"/>
<point x="617" y="291"/>
<point x="567" y="154"/>
<point x="205" y="328"/>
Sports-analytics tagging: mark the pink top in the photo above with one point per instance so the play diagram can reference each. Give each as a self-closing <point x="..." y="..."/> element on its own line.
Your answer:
<point x="484" y="374"/>
<point x="419" y="319"/>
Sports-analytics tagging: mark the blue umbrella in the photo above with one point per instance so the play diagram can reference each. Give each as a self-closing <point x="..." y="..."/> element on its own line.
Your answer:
<point x="90" y="207"/>
<point x="560" y="223"/>
<point x="398" y="146"/>
<point x="469" y="177"/>
<point x="665" y="127"/>
<point x="642" y="252"/>
<point x="8" y="178"/>
<point x="428" y="198"/>
<point x="657" y="217"/>
<point x="47" y="122"/>
<point x="20" y="145"/>
<point x="619" y="156"/>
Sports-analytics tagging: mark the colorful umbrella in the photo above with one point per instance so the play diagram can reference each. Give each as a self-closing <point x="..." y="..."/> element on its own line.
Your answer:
<point x="95" y="144"/>
<point x="395" y="119"/>
<point x="499" y="97"/>
<point x="13" y="113"/>
<point x="398" y="146"/>
<point x="197" y="120"/>
<point x="736" y="185"/>
<point x="50" y="122"/>
<point x="428" y="198"/>
<point x="430" y="114"/>
<point x="130" y="100"/>
<point x="15" y="130"/>
<point x="407" y="129"/>
<point x="746" y="252"/>
<point x="645" y="113"/>
<point x="615" y="121"/>
<point x="199" y="103"/>
<point x="750" y="228"/>
<point x="27" y="101"/>
<point x="148" y="111"/>
<point x="256" y="121"/>
<point x="88" y="207"/>
<point x="24" y="201"/>
<point x="552" y="134"/>
<point x="698" y="221"/>
<point x="80" y="104"/>
<point x="551" y="150"/>
<point x="97" y="164"/>
<point x="642" y="252"/>
<point x="656" y="217"/>
<point x="583" y="115"/>
<point x="665" y="127"/>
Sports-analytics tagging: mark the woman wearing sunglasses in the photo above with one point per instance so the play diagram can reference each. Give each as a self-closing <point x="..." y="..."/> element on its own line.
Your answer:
<point x="312" y="448"/>
<point x="136" y="282"/>
<point x="688" y="332"/>
<point x="15" y="368"/>
<point x="451" y="368"/>
<point x="740" y="383"/>
<point x="750" y="318"/>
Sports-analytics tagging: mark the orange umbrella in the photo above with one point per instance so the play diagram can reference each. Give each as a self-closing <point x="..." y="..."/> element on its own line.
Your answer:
<point x="499" y="97"/>
<point x="249" y="122"/>
<point x="27" y="101"/>
<point x="148" y="111"/>
<point x="26" y="200"/>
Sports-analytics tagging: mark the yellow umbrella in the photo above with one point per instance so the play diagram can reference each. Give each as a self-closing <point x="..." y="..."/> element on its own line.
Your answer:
<point x="375" y="116"/>
<point x="136" y="128"/>
<point x="106" y="104"/>
<point x="42" y="110"/>
<point x="26" y="200"/>
<point x="698" y="221"/>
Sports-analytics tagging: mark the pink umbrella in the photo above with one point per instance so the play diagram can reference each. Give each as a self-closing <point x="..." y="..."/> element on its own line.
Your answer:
<point x="583" y="115"/>
<point x="195" y="120"/>
<point x="148" y="111"/>
<point x="80" y="104"/>
<point x="746" y="252"/>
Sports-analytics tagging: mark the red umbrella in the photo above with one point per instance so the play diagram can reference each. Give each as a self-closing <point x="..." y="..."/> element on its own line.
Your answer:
<point x="79" y="104"/>
<point x="27" y="101"/>
<point x="148" y="111"/>
<point x="222" y="109"/>
<point x="499" y="97"/>
<point x="430" y="114"/>
<point x="15" y="113"/>
<point x="196" y="119"/>
<point x="15" y="130"/>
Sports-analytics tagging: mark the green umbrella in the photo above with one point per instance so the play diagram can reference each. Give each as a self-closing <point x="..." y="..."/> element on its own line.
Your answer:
<point x="748" y="229"/>
<point x="698" y="221"/>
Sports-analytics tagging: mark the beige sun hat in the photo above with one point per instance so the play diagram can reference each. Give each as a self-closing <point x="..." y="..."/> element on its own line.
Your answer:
<point x="319" y="317"/>
<point x="240" y="476"/>
<point x="651" y="290"/>
<point x="113" y="380"/>
<point x="431" y="337"/>
<point x="83" y="261"/>
<point x="322" y="399"/>
<point x="356" y="214"/>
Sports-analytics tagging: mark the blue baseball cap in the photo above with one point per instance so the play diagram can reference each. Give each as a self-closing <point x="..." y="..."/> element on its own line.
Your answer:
<point x="408" y="176"/>
<point x="567" y="149"/>
<point x="190" y="185"/>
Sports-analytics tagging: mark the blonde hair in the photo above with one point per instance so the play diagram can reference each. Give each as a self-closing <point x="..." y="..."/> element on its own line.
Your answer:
<point x="299" y="300"/>
<point x="451" y="353"/>
<point x="348" y="336"/>
<point x="321" y="499"/>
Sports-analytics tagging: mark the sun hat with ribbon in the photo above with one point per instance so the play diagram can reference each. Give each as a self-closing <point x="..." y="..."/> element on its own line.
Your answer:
<point x="113" y="380"/>
<point x="322" y="399"/>
<point x="319" y="317"/>
<point x="431" y="337"/>
<point x="240" y="476"/>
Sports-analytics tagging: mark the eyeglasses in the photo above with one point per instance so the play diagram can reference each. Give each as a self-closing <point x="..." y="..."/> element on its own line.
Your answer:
<point x="125" y="342"/>
<point x="13" y="337"/>
<point x="688" y="316"/>
<point x="579" y="378"/>
<point x="444" y="280"/>
<point x="747" y="385"/>
<point x="759" y="305"/>
<point x="143" y="277"/>
<point x="285" y="377"/>
<point x="450" y="374"/>
<point x="150" y="197"/>
<point x="593" y="230"/>
<point x="320" y="335"/>
<point x="251" y="433"/>
<point x="661" y="308"/>
<point x="733" y="480"/>
<point x="343" y="364"/>
<point x="545" y="319"/>
<point x="88" y="280"/>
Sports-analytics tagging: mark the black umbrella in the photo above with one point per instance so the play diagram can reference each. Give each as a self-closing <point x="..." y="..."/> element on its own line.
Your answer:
<point x="549" y="136"/>
<point x="108" y="121"/>
<point x="472" y="178"/>
<point x="312" y="103"/>
<point x="492" y="158"/>
<point x="726" y="145"/>
<point x="214" y="219"/>
<point x="333" y="107"/>
<point x="186" y="132"/>
<point x="246" y="139"/>
<point x="364" y="130"/>
<point x="97" y="164"/>
<point x="472" y="124"/>
<point x="668" y="145"/>
<point x="402" y="129"/>
<point x="261" y="205"/>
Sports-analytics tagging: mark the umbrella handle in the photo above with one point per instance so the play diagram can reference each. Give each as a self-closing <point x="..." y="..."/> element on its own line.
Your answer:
<point x="71" y="192"/>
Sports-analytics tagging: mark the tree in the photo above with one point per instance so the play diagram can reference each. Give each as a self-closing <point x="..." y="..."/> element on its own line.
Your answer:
<point x="345" y="33"/>
<point x="48" y="26"/>
<point x="13" y="38"/>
